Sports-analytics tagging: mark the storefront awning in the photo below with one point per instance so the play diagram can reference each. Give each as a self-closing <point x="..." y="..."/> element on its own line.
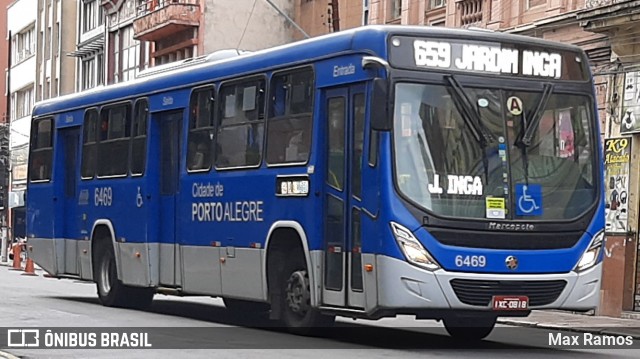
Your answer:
<point x="88" y="48"/>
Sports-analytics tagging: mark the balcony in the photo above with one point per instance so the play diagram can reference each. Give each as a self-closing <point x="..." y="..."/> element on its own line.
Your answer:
<point x="620" y="21"/>
<point x="158" y="19"/>
<point x="470" y="12"/>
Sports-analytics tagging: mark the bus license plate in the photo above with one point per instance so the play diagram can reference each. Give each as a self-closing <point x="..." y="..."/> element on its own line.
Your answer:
<point x="510" y="302"/>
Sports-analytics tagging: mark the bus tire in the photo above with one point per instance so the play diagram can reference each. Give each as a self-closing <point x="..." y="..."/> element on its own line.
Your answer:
<point x="111" y="291"/>
<point x="297" y="314"/>
<point x="245" y="306"/>
<point x="469" y="329"/>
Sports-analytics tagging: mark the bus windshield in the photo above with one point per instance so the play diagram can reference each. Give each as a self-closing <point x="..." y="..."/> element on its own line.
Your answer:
<point x="444" y="166"/>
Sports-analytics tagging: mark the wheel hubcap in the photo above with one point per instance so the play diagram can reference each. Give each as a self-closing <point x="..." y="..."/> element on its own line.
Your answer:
<point x="105" y="277"/>
<point x="298" y="297"/>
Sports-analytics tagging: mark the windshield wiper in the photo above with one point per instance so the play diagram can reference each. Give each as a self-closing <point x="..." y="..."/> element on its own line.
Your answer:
<point x="471" y="117"/>
<point x="529" y="127"/>
<point x="537" y="115"/>
<point x="468" y="112"/>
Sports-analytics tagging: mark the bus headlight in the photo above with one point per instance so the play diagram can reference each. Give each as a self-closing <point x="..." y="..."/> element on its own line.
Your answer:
<point x="412" y="248"/>
<point x="590" y="256"/>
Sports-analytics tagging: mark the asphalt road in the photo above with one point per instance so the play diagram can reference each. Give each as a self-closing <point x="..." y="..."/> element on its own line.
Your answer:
<point x="45" y="302"/>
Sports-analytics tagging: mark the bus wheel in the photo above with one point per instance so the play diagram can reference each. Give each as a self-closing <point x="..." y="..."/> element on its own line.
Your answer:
<point x="111" y="291"/>
<point x="471" y="328"/>
<point x="246" y="306"/>
<point x="298" y="315"/>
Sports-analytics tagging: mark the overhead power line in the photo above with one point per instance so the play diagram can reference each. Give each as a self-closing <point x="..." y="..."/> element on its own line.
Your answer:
<point x="288" y="18"/>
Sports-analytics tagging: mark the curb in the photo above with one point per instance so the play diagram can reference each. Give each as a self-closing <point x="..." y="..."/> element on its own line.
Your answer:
<point x="597" y="330"/>
<point x="6" y="355"/>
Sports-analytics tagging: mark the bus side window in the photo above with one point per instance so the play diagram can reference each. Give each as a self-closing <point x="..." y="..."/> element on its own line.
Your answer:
<point x="358" y="143"/>
<point x="89" y="144"/>
<point x="139" y="137"/>
<point x="115" y="130"/>
<point x="240" y="124"/>
<point x="289" y="122"/>
<point x="200" y="130"/>
<point x="41" y="150"/>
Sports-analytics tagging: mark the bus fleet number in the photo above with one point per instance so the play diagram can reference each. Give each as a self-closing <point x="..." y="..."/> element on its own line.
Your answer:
<point x="471" y="261"/>
<point x="103" y="196"/>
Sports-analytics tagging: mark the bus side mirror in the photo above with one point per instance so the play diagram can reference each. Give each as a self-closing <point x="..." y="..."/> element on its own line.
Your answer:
<point x="380" y="120"/>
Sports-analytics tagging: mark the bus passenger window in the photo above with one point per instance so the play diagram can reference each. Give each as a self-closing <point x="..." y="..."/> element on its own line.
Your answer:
<point x="240" y="124"/>
<point x="113" y="149"/>
<point x="289" y="123"/>
<point x="200" y="130"/>
<point x="358" y="143"/>
<point x="41" y="150"/>
<point x="336" y="126"/>
<point x="139" y="137"/>
<point x="89" y="144"/>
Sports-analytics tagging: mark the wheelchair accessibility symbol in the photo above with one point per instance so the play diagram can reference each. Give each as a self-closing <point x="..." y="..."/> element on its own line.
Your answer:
<point x="139" y="201"/>
<point x="528" y="200"/>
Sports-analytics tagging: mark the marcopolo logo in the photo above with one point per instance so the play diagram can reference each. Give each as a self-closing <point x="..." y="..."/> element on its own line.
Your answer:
<point x="23" y="338"/>
<point x="511" y="262"/>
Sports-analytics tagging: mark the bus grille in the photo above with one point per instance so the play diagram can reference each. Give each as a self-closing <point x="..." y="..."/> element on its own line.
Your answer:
<point x="505" y="240"/>
<point x="480" y="292"/>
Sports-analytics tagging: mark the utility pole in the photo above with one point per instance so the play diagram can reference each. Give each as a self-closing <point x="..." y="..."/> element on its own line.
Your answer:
<point x="5" y="159"/>
<point x="335" y="15"/>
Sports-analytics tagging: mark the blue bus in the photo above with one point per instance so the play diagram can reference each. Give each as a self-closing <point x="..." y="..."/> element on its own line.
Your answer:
<point x="448" y="174"/>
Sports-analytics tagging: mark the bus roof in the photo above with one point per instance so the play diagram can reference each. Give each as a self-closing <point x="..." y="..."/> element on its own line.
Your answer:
<point x="370" y="39"/>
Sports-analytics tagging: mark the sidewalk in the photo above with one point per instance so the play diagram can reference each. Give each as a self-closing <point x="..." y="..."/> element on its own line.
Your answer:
<point x="559" y="320"/>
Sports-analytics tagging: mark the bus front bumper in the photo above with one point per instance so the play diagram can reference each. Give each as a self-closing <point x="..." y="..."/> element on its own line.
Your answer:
<point x="402" y="285"/>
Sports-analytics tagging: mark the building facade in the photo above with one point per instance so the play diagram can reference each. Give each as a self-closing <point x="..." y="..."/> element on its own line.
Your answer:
<point x="126" y="56"/>
<point x="4" y="61"/>
<point x="182" y="29"/>
<point x="116" y="39"/>
<point x="90" y="45"/>
<point x="56" y="23"/>
<point x="22" y="25"/>
<point x="5" y="56"/>
<point x="321" y="17"/>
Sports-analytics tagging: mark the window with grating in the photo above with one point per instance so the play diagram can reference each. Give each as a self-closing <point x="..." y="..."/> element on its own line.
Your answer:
<point x="470" y="12"/>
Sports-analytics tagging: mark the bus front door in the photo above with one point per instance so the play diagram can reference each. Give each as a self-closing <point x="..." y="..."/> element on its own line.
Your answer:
<point x="169" y="125"/>
<point x="345" y="115"/>
<point x="70" y="139"/>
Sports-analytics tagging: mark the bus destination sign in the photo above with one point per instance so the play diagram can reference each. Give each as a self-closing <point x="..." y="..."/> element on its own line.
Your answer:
<point x="486" y="57"/>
